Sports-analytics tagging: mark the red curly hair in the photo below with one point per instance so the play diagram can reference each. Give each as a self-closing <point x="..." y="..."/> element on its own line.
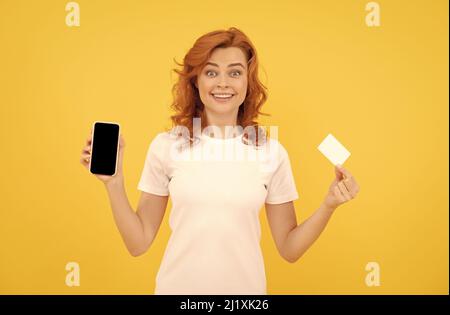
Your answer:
<point x="187" y="104"/>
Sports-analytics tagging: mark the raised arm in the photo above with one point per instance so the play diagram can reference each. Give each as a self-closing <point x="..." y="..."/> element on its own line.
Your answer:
<point x="293" y="240"/>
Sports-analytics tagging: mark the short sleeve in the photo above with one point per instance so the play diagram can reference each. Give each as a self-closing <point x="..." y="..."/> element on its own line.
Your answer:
<point x="281" y="187"/>
<point x="154" y="178"/>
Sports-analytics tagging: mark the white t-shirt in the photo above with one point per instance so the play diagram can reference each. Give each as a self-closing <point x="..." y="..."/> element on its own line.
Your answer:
<point x="217" y="188"/>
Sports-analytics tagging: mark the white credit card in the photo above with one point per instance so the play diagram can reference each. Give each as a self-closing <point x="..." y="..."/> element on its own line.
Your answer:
<point x="333" y="150"/>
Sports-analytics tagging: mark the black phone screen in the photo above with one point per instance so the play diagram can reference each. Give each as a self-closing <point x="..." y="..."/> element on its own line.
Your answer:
<point x="104" y="148"/>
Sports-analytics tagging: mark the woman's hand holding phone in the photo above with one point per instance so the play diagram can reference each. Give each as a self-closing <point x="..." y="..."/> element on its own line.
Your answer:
<point x="86" y="156"/>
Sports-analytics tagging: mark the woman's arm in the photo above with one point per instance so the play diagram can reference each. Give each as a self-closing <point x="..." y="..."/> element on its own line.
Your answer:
<point x="293" y="241"/>
<point x="138" y="229"/>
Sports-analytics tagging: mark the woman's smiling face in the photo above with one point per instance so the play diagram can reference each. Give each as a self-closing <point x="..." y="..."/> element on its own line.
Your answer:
<point x="222" y="83"/>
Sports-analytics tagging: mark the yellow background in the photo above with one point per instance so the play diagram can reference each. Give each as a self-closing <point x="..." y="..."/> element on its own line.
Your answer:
<point x="382" y="91"/>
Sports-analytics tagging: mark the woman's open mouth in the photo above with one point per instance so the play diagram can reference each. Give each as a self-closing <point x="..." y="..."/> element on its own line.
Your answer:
<point x="222" y="97"/>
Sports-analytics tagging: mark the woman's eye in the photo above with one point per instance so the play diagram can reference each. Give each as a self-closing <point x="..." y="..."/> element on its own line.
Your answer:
<point x="211" y="73"/>
<point x="236" y="72"/>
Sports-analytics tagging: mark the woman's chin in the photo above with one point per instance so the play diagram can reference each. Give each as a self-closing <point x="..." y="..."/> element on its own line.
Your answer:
<point x="223" y="108"/>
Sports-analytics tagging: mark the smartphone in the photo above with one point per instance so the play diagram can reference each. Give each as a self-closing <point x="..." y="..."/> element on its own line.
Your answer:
<point x="104" y="148"/>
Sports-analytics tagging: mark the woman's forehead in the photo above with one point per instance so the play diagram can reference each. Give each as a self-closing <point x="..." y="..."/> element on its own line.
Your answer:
<point x="227" y="56"/>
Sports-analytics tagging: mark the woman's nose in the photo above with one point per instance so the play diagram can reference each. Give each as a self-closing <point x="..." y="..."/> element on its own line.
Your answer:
<point x="222" y="81"/>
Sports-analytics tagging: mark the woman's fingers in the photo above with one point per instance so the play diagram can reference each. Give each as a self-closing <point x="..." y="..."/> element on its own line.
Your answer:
<point x="344" y="190"/>
<point x="338" y="194"/>
<point x="345" y="172"/>
<point x="89" y="139"/>
<point x="85" y="159"/>
<point x="351" y="185"/>
<point x="348" y="185"/>
<point x="87" y="149"/>
<point x="86" y="152"/>
<point x="84" y="162"/>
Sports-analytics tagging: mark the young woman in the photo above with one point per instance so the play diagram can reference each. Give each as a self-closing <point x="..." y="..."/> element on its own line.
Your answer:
<point x="214" y="247"/>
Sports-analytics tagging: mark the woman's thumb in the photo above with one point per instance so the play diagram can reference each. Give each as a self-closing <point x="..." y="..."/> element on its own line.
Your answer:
<point x="121" y="149"/>
<point x="121" y="141"/>
<point x="338" y="172"/>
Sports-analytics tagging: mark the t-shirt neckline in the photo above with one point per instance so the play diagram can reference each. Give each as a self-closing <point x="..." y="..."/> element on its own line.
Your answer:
<point x="209" y="138"/>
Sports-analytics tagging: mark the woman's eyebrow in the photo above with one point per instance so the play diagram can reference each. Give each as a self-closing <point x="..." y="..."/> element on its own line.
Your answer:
<point x="230" y="65"/>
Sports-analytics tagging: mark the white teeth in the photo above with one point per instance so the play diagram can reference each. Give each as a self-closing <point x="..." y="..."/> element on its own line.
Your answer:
<point x="223" y="95"/>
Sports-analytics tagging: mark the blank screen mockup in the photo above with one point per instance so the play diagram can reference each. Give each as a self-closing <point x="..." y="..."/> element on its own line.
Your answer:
<point x="104" y="148"/>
